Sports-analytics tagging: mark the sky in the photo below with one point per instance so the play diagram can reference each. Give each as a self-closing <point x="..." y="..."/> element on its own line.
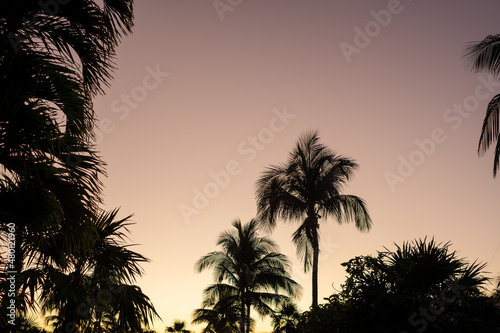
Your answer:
<point x="207" y="94"/>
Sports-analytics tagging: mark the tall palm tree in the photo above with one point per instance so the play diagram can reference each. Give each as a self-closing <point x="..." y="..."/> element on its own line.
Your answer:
<point x="249" y="273"/>
<point x="53" y="61"/>
<point x="309" y="186"/>
<point x="54" y="58"/>
<point x="485" y="56"/>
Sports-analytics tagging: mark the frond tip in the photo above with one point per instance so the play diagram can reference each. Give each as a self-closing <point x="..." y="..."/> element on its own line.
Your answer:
<point x="484" y="55"/>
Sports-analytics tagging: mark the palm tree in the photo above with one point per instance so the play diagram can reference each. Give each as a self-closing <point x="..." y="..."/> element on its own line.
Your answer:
<point x="286" y="319"/>
<point x="94" y="291"/>
<point x="54" y="58"/>
<point x="249" y="273"/>
<point x="29" y="325"/>
<point x="217" y="320"/>
<point x="54" y="61"/>
<point x="485" y="56"/>
<point x="308" y="187"/>
<point x="391" y="292"/>
<point x="178" y="327"/>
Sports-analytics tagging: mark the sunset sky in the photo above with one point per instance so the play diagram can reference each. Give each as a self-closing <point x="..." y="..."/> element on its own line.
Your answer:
<point x="223" y="89"/>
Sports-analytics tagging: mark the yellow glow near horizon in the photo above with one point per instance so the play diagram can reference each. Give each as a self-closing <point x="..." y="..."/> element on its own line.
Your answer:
<point x="194" y="95"/>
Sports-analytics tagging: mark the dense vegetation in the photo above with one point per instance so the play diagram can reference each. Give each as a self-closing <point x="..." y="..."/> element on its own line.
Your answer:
<point x="420" y="286"/>
<point x="64" y="257"/>
<point x="68" y="258"/>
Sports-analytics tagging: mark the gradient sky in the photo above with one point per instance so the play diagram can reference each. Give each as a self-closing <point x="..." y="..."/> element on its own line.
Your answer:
<point x="222" y="78"/>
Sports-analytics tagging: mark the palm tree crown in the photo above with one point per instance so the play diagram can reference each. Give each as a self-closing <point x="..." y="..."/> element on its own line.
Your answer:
<point x="178" y="326"/>
<point x="485" y="56"/>
<point x="286" y="319"/>
<point x="305" y="189"/>
<point x="249" y="273"/>
<point x="55" y="56"/>
<point x="104" y="274"/>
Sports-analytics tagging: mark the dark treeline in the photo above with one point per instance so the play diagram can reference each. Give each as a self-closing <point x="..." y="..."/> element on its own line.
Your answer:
<point x="63" y="257"/>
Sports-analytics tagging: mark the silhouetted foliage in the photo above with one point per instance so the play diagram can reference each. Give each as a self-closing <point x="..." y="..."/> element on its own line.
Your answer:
<point x="309" y="186"/>
<point x="421" y="286"/>
<point x="177" y="327"/>
<point x="485" y="56"/>
<point x="221" y="318"/>
<point x="94" y="291"/>
<point x="249" y="273"/>
<point x="54" y="58"/>
<point x="331" y="317"/>
<point x="286" y="318"/>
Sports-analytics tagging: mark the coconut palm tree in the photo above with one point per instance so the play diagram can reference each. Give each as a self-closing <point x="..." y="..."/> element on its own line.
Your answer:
<point x="94" y="291"/>
<point x="222" y="317"/>
<point x="309" y="186"/>
<point x="485" y="56"/>
<point x="217" y="320"/>
<point x="179" y="326"/>
<point x="54" y="58"/>
<point x="79" y="35"/>
<point x="249" y="273"/>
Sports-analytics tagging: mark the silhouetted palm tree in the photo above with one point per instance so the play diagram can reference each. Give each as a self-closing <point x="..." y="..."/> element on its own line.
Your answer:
<point x="218" y="319"/>
<point x="249" y="273"/>
<point x="286" y="319"/>
<point x="485" y="56"/>
<point x="95" y="291"/>
<point x="179" y="326"/>
<point x="391" y="292"/>
<point x="309" y="186"/>
<point x="55" y="57"/>
<point x="53" y="61"/>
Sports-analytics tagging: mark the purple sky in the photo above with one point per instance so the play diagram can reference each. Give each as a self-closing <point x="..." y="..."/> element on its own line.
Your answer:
<point x="200" y="91"/>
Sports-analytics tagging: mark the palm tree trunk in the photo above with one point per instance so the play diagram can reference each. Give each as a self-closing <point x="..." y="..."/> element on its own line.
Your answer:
<point x="248" y="318"/>
<point x="242" y="315"/>
<point x="315" y="266"/>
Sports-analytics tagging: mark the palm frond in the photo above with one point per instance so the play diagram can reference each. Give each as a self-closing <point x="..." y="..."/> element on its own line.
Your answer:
<point x="484" y="55"/>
